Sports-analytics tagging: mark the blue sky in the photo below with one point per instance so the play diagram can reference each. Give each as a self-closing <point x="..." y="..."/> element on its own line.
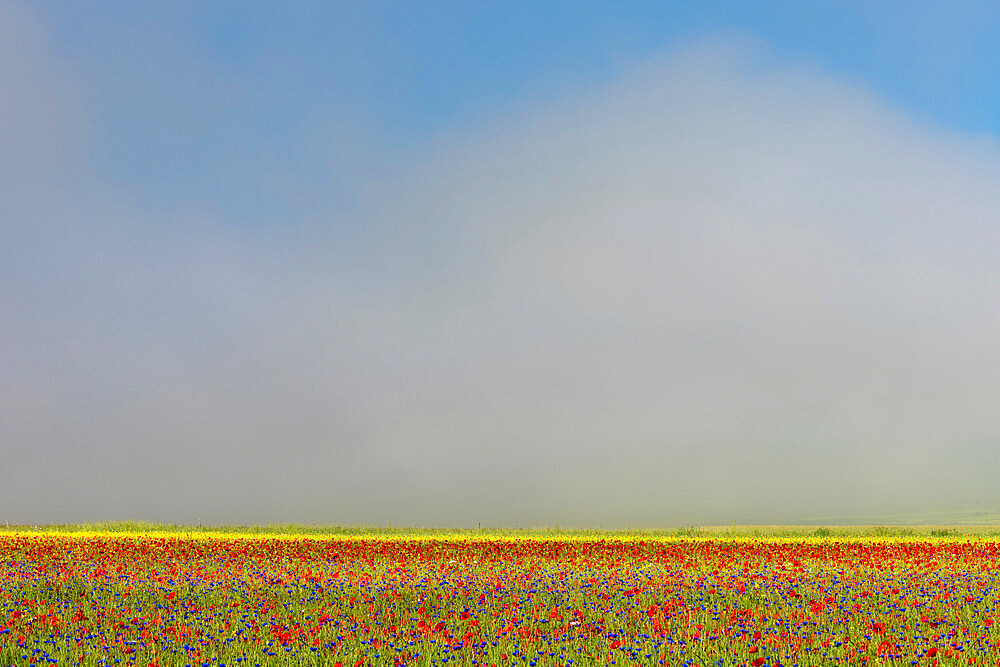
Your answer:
<point x="509" y="264"/>
<point x="199" y="103"/>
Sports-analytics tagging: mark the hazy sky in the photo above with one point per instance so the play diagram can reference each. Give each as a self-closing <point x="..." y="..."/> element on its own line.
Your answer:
<point x="498" y="264"/>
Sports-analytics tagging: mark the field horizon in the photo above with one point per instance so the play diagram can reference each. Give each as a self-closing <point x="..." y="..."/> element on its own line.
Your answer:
<point x="737" y="531"/>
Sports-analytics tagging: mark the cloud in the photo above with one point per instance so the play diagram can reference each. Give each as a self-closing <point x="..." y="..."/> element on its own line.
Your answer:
<point x="716" y="288"/>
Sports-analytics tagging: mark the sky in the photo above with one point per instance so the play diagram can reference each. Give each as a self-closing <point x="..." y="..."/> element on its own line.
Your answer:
<point x="507" y="264"/>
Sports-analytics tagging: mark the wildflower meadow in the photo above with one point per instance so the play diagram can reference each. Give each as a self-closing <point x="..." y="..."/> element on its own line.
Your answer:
<point x="495" y="600"/>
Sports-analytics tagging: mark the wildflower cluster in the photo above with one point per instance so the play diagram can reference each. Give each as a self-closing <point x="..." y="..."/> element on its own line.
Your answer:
<point x="156" y="600"/>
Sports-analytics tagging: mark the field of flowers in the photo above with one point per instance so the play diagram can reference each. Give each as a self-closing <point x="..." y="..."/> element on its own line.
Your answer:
<point x="162" y="599"/>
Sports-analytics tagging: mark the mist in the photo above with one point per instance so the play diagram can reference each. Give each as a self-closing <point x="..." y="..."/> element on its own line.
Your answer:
<point x="714" y="287"/>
